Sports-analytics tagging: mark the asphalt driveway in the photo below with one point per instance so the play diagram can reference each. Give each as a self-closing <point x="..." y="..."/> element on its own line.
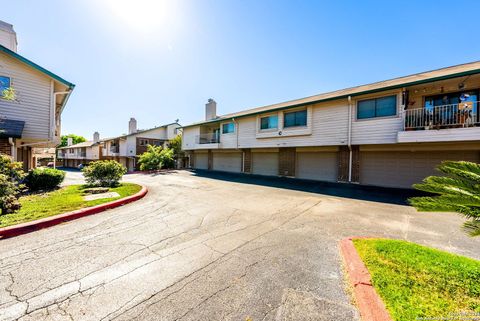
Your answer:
<point x="199" y="248"/>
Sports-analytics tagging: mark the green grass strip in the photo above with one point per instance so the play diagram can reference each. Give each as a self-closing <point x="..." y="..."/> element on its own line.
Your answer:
<point x="421" y="283"/>
<point x="63" y="200"/>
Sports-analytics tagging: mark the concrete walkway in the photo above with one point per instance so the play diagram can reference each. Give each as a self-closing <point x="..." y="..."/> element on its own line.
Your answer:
<point x="197" y="248"/>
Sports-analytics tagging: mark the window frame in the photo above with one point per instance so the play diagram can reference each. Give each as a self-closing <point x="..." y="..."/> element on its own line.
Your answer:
<point x="375" y="99"/>
<point x="9" y="83"/>
<point x="229" y="132"/>
<point x="268" y="128"/>
<point x="295" y="112"/>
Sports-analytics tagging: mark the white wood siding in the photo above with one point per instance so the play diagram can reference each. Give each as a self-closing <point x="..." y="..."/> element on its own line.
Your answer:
<point x="376" y="130"/>
<point x="92" y="152"/>
<point x="34" y="91"/>
<point x="188" y="137"/>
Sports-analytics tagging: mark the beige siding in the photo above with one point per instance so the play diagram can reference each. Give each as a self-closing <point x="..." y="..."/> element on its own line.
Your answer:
<point x="33" y="91"/>
<point x="188" y="137"/>
<point x="329" y="126"/>
<point x="376" y="130"/>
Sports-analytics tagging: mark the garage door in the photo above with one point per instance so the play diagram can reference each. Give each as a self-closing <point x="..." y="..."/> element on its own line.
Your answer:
<point x="201" y="161"/>
<point x="321" y="166"/>
<point x="402" y="169"/>
<point x="227" y="162"/>
<point x="265" y="163"/>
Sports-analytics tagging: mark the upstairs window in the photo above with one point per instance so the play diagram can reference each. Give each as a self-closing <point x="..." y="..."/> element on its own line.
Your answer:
<point x="269" y="122"/>
<point x="143" y="142"/>
<point x="4" y="84"/>
<point x="228" y="128"/>
<point x="294" y="119"/>
<point x="377" y="107"/>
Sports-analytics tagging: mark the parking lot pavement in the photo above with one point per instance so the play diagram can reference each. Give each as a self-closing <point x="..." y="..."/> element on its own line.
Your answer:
<point x="204" y="248"/>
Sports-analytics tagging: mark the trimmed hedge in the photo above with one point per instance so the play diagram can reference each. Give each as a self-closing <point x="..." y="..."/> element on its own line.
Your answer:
<point x="106" y="173"/>
<point x="44" y="179"/>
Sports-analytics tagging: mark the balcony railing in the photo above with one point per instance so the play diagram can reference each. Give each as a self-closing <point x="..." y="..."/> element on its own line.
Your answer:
<point x="213" y="138"/>
<point x="439" y="117"/>
<point x="114" y="149"/>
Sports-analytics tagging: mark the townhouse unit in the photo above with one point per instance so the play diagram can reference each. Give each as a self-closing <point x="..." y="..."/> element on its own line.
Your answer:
<point x="73" y="155"/>
<point x="125" y="149"/>
<point x="391" y="133"/>
<point x="33" y="118"/>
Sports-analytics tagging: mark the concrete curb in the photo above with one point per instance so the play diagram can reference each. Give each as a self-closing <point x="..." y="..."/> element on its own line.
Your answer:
<point x="369" y="302"/>
<point x="24" y="228"/>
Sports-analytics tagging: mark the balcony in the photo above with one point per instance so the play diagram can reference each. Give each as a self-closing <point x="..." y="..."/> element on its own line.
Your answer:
<point x="454" y="122"/>
<point x="206" y="141"/>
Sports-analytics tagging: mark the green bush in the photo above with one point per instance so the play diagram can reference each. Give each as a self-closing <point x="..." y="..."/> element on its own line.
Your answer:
<point x="11" y="174"/>
<point x="106" y="173"/>
<point x="156" y="157"/>
<point x="44" y="179"/>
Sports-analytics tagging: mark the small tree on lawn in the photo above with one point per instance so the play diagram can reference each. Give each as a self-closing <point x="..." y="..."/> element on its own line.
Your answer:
<point x="156" y="157"/>
<point x="459" y="192"/>
<point x="105" y="173"/>
<point x="11" y="175"/>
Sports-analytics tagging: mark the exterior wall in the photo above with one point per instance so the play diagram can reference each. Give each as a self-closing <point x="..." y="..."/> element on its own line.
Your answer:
<point x="34" y="95"/>
<point x="93" y="152"/>
<point x="382" y="130"/>
<point x="188" y="137"/>
<point x="5" y="147"/>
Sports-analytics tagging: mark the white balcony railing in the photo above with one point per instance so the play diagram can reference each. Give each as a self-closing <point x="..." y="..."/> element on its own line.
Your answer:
<point x="212" y="138"/>
<point x="439" y="117"/>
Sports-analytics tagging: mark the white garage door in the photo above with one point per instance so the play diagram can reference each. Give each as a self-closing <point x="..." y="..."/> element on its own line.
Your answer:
<point x="265" y="163"/>
<point x="201" y="161"/>
<point x="227" y="162"/>
<point x="402" y="169"/>
<point x="321" y="166"/>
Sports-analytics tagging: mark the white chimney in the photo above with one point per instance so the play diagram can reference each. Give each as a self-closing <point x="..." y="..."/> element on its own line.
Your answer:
<point x="96" y="137"/>
<point x="69" y="141"/>
<point x="8" y="37"/>
<point x="210" y="109"/>
<point x="132" y="126"/>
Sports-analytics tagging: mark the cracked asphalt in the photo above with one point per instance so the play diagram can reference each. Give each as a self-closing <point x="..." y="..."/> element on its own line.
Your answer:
<point x="207" y="248"/>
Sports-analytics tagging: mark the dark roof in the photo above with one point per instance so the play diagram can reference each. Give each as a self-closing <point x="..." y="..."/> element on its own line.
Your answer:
<point x="34" y="65"/>
<point x="11" y="128"/>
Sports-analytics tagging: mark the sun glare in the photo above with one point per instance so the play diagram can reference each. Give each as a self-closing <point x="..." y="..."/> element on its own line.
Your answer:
<point x="142" y="15"/>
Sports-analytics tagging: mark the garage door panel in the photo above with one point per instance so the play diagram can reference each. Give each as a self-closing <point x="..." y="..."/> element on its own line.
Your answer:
<point x="320" y="166"/>
<point x="201" y="161"/>
<point x="227" y="162"/>
<point x="265" y="163"/>
<point x="403" y="169"/>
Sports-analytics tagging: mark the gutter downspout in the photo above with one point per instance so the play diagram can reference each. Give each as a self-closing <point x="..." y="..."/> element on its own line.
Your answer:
<point x="349" y="139"/>
<point x="13" y="151"/>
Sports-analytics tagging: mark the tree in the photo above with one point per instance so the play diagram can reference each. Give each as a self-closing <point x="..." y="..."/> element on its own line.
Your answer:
<point x="105" y="173"/>
<point x="459" y="192"/>
<point x="9" y="94"/>
<point x="11" y="175"/>
<point x="176" y="145"/>
<point x="75" y="139"/>
<point x="155" y="158"/>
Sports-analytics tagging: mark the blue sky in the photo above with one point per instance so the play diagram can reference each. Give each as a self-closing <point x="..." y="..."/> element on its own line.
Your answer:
<point x="161" y="60"/>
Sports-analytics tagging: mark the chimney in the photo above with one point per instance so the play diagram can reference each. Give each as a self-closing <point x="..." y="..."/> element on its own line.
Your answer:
<point x="69" y="141"/>
<point x="96" y="137"/>
<point x="8" y="37"/>
<point x="132" y="126"/>
<point x="210" y="109"/>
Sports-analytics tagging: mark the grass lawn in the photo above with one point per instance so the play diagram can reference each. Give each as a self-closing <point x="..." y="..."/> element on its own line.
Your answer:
<point x="418" y="282"/>
<point x="63" y="200"/>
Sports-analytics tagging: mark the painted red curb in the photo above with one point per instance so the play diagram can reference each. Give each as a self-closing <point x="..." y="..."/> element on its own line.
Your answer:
<point x="24" y="228"/>
<point x="369" y="302"/>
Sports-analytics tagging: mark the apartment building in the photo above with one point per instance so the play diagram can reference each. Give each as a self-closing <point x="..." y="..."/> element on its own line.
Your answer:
<point x="33" y="118"/>
<point x="125" y="148"/>
<point x="73" y="155"/>
<point x="391" y="133"/>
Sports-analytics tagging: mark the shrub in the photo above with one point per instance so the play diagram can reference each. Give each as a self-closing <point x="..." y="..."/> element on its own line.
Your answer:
<point x="44" y="179"/>
<point x="155" y="158"/>
<point x="11" y="174"/>
<point x="106" y="173"/>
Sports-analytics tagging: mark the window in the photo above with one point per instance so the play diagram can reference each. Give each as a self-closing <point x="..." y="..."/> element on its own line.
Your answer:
<point x="296" y="118"/>
<point x="4" y="83"/>
<point x="377" y="107"/>
<point x="228" y="128"/>
<point x="269" y="122"/>
<point x="143" y="142"/>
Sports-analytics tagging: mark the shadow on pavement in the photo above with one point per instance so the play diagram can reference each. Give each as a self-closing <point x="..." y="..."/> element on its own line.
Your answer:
<point x="359" y="192"/>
